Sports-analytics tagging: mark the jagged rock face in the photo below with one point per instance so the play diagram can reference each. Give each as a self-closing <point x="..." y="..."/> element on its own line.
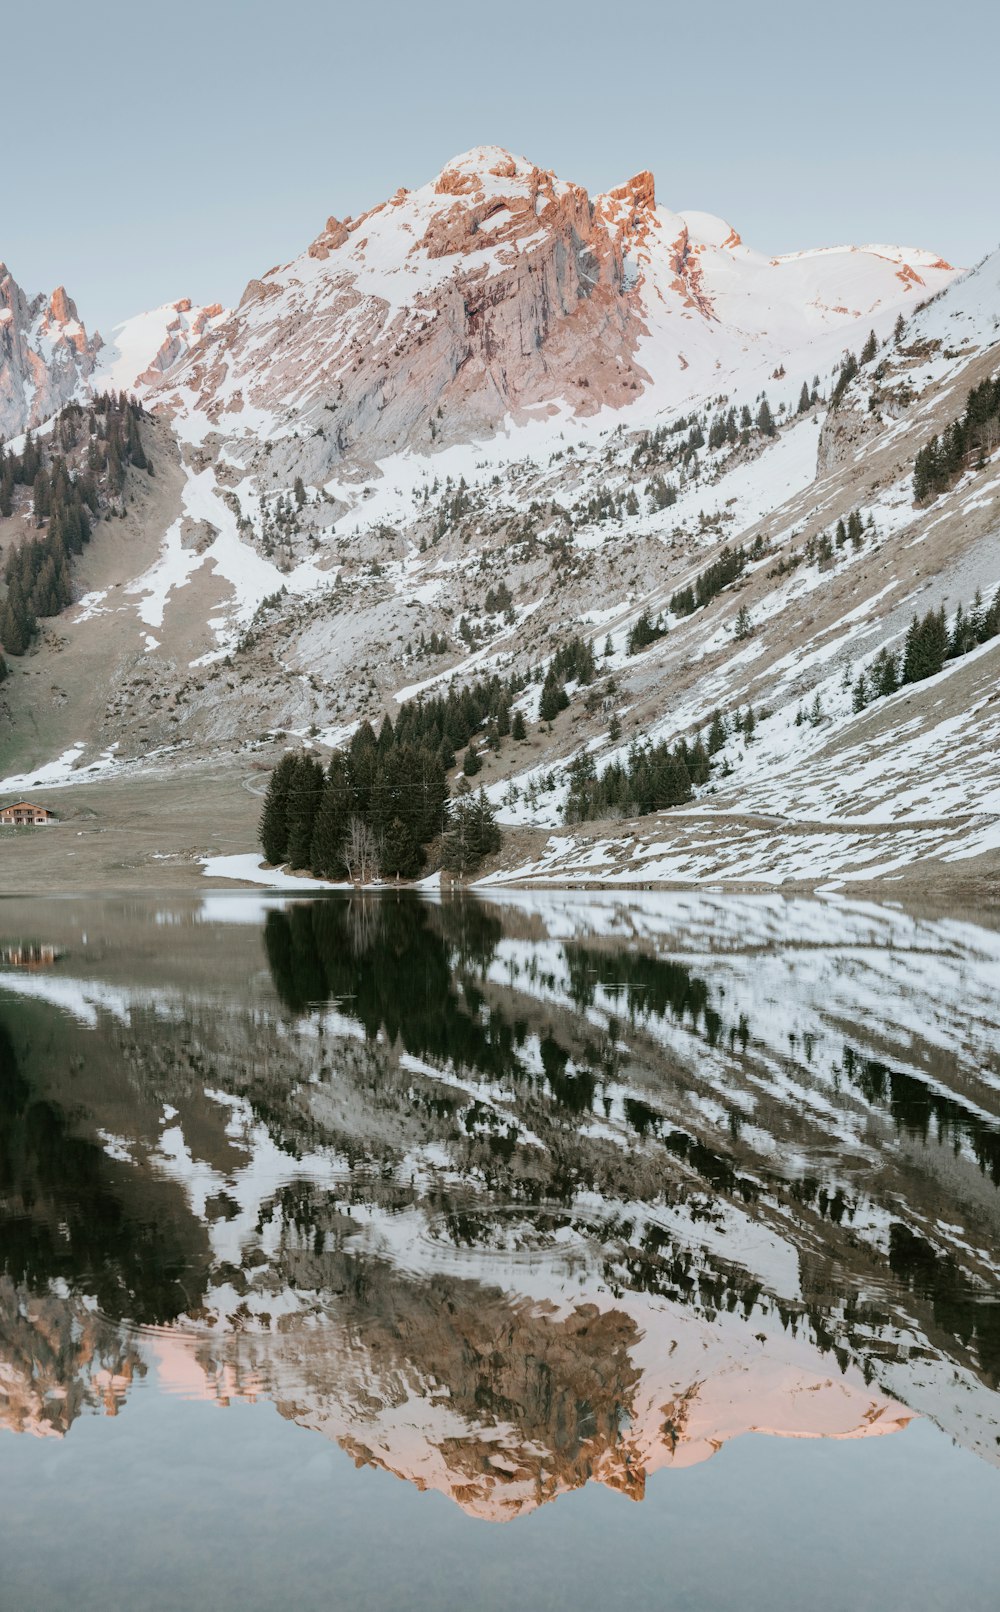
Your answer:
<point x="494" y="293"/>
<point x="497" y="292"/>
<point x="44" y="354"/>
<point x="490" y="291"/>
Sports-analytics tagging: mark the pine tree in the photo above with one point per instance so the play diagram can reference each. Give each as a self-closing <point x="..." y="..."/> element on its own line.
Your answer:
<point x="486" y="835"/>
<point x="299" y="491"/>
<point x="518" y="731"/>
<point x="848" y="370"/>
<point x="553" y="700"/>
<point x="716" y="733"/>
<point x="274" y="817"/>
<point x="305" y="793"/>
<point x="330" y="828"/>
<point x="458" y="854"/>
<point x="400" y="855"/>
<point x="471" y="763"/>
<point x="805" y="403"/>
<point x="765" y="420"/>
<point x="744" y="626"/>
<point x="869" y="349"/>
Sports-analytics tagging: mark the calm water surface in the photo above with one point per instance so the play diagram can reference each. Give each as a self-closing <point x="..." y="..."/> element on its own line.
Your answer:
<point x="564" y="1251"/>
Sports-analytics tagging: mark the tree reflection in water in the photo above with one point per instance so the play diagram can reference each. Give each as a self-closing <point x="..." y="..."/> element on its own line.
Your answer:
<point x="498" y="1210"/>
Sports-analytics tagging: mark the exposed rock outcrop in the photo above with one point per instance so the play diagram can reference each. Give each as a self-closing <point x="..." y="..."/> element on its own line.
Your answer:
<point x="45" y="353"/>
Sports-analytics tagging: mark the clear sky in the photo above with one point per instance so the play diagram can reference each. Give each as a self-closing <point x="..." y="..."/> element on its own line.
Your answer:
<point x="154" y="150"/>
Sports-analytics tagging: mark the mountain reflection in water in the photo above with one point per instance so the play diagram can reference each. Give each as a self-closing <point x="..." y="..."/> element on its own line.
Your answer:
<point x="503" y="1198"/>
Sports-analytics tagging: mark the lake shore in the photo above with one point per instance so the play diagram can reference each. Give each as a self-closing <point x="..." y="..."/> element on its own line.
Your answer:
<point x="155" y="830"/>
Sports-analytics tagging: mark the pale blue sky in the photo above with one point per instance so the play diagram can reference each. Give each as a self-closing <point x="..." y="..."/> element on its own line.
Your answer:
<point x="154" y="150"/>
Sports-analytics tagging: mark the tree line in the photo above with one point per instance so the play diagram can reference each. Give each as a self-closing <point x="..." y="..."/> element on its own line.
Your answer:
<point x="720" y="574"/>
<point x="374" y="809"/>
<point x="929" y="644"/>
<point x="939" y="465"/>
<point x="650" y="779"/>
<point x="38" y="570"/>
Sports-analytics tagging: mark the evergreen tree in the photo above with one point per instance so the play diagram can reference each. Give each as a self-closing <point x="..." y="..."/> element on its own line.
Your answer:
<point x="554" y="698"/>
<point x="400" y="854"/>
<point x="332" y="818"/>
<point x="274" y="817"/>
<point x="471" y="763"/>
<point x="518" y="731"/>
<point x="805" y="402"/>
<point x="848" y="370"/>
<point x="486" y="835"/>
<point x="765" y="420"/>
<point x="305" y="793"/>
<point x="869" y="349"/>
<point x="885" y="676"/>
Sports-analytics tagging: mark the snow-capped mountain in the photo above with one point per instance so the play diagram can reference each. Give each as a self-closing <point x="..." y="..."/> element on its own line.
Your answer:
<point x="45" y="354"/>
<point x="47" y="358"/>
<point x="497" y="293"/>
<point x="497" y="388"/>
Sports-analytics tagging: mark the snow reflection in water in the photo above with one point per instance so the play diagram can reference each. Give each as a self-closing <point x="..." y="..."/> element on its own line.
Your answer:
<point x="506" y="1197"/>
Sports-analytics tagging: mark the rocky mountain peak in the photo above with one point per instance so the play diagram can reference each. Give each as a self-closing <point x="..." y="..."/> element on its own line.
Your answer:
<point x="45" y="353"/>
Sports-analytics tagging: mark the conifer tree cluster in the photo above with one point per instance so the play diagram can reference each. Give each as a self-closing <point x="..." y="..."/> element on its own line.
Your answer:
<point x="573" y="662"/>
<point x="498" y="600"/>
<point x="661" y="494"/>
<point x="369" y="813"/>
<point x="651" y="778"/>
<point x="644" y="631"/>
<point x="710" y="582"/>
<point x="941" y="462"/>
<point x="845" y="375"/>
<point x="929" y="644"/>
<point x="472" y="834"/>
<point x="436" y="644"/>
<point x="375" y="808"/>
<point x="38" y="571"/>
<point x="669" y="444"/>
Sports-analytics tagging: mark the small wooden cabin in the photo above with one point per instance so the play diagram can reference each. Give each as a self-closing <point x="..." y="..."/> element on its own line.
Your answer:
<point x="24" y="814"/>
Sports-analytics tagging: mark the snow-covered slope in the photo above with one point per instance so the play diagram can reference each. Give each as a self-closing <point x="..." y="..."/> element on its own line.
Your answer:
<point x="145" y="347"/>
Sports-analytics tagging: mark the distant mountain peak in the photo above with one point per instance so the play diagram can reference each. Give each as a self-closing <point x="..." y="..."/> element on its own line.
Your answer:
<point x="45" y="353"/>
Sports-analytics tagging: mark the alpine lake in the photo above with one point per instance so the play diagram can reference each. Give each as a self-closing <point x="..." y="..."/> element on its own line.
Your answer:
<point x="551" y="1250"/>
